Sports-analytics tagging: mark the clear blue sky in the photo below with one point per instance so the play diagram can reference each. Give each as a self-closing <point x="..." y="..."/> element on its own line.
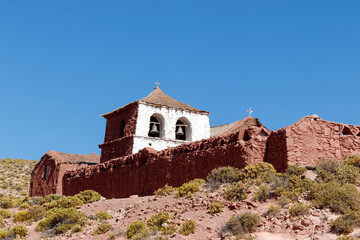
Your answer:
<point x="64" y="63"/>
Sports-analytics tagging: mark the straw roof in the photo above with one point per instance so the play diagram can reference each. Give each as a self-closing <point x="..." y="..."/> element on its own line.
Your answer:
<point x="73" y="158"/>
<point x="159" y="98"/>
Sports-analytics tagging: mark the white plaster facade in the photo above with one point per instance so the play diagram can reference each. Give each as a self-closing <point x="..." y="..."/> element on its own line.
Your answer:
<point x="198" y="126"/>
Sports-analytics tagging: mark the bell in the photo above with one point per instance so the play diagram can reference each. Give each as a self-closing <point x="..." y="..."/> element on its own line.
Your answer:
<point x="179" y="131"/>
<point x="154" y="129"/>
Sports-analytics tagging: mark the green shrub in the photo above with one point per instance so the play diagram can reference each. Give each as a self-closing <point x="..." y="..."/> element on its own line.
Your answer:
<point x="7" y="203"/>
<point x="64" y="202"/>
<point x="88" y="196"/>
<point x="22" y="216"/>
<point x="102" y="215"/>
<point x="2" y="222"/>
<point x="19" y="230"/>
<point x="24" y="205"/>
<point x="242" y="223"/>
<point x="135" y="229"/>
<point x="77" y="228"/>
<point x="347" y="238"/>
<point x="295" y="170"/>
<point x="339" y="198"/>
<point x="299" y="209"/>
<point x="188" y="227"/>
<point x="283" y="201"/>
<point x="272" y="211"/>
<point x="4" y="213"/>
<point x="187" y="189"/>
<point x="224" y="175"/>
<point x="112" y="236"/>
<point x="164" y="191"/>
<point x="353" y="160"/>
<point x="346" y="223"/>
<point x="49" y="198"/>
<point x="102" y="228"/>
<point x="3" y="234"/>
<point x="160" y="221"/>
<point x="216" y="207"/>
<point x="37" y="212"/>
<point x="235" y="192"/>
<point x="331" y="170"/>
<point x="262" y="194"/>
<point x="291" y="186"/>
<point x="63" y="219"/>
<point x="261" y="170"/>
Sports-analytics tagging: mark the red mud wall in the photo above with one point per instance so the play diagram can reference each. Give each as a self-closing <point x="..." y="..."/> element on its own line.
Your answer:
<point x="311" y="140"/>
<point x="120" y="126"/>
<point x="148" y="170"/>
<point x="53" y="184"/>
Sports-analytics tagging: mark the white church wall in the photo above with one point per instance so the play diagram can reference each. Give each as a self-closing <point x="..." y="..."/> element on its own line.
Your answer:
<point x="199" y="127"/>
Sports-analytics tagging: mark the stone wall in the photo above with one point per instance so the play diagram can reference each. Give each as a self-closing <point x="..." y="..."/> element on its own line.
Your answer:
<point x="148" y="170"/>
<point x="311" y="140"/>
<point x="120" y="126"/>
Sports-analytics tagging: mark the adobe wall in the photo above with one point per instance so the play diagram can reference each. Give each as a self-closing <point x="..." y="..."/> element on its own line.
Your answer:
<point x="310" y="140"/>
<point x="53" y="184"/>
<point x="120" y="126"/>
<point x="148" y="170"/>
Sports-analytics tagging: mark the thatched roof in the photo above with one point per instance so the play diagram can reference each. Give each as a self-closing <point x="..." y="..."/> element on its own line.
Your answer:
<point x="159" y="98"/>
<point x="234" y="126"/>
<point x="73" y="158"/>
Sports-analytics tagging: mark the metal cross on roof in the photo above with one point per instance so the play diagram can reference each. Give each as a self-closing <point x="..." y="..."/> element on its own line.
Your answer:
<point x="157" y="83"/>
<point x="250" y="111"/>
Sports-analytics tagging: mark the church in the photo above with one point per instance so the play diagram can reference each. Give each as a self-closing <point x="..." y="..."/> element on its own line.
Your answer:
<point x="158" y="140"/>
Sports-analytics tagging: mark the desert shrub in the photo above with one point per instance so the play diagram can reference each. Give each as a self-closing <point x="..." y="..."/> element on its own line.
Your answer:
<point x="136" y="228"/>
<point x="22" y="216"/>
<point x="187" y="189"/>
<point x="33" y="200"/>
<point x="19" y="230"/>
<point x="261" y="170"/>
<point x="332" y="170"/>
<point x="4" y="213"/>
<point x="160" y="221"/>
<point x="291" y="186"/>
<point x="166" y="190"/>
<point x="102" y="215"/>
<point x="64" y="202"/>
<point x="295" y="170"/>
<point x="88" y="196"/>
<point x="62" y="219"/>
<point x="242" y="223"/>
<point x="37" y="212"/>
<point x="283" y="201"/>
<point x="77" y="228"/>
<point x="262" y="194"/>
<point x="299" y="209"/>
<point x="216" y="207"/>
<point x="49" y="198"/>
<point x="112" y="236"/>
<point x="8" y="203"/>
<point x="3" y="234"/>
<point x="353" y="160"/>
<point x="339" y="198"/>
<point x="347" y="238"/>
<point x="235" y="192"/>
<point x="224" y="175"/>
<point x="346" y="223"/>
<point x="24" y="205"/>
<point x="272" y="211"/>
<point x="2" y="223"/>
<point x="188" y="227"/>
<point x="102" y="228"/>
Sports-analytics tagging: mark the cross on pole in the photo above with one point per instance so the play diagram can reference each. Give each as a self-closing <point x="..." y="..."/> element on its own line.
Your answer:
<point x="250" y="111"/>
<point x="157" y="83"/>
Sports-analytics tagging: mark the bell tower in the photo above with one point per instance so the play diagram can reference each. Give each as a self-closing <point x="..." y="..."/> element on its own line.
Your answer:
<point x="157" y="121"/>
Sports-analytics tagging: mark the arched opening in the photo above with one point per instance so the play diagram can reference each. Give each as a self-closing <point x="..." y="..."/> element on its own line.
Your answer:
<point x="346" y="131"/>
<point x="122" y="127"/>
<point x="182" y="129"/>
<point x="154" y="127"/>
<point x="46" y="172"/>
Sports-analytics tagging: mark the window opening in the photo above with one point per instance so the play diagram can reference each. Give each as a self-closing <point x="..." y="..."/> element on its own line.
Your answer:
<point x="346" y="131"/>
<point x="122" y="127"/>
<point x="246" y="136"/>
<point x="358" y="134"/>
<point x="154" y="127"/>
<point x="180" y="130"/>
<point x="46" y="173"/>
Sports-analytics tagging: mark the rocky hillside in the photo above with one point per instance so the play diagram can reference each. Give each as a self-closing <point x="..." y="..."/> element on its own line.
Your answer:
<point x="252" y="203"/>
